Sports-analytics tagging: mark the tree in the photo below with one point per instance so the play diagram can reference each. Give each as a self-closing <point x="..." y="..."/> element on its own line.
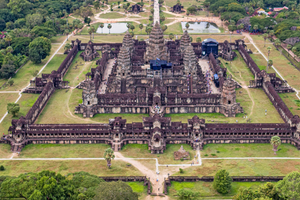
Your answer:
<point x="101" y="26"/>
<point x="277" y="43"/>
<point x="8" y="39"/>
<point x="109" y="155"/>
<point x="275" y="142"/>
<point x="87" y="20"/>
<point x="198" y="39"/>
<point x="67" y="47"/>
<point x="164" y="28"/>
<point x="271" y="33"/>
<point x="151" y="17"/>
<point x="148" y="29"/>
<point x="265" y="36"/>
<point x="114" y="190"/>
<point x="191" y="38"/>
<point x="33" y="20"/>
<point x="90" y="31"/>
<point x="270" y="63"/>
<point x="21" y="45"/>
<point x="19" y="7"/>
<point x="268" y="190"/>
<point x="241" y="26"/>
<point x="187" y="194"/>
<point x="2" y="168"/>
<point x="288" y="188"/>
<point x="222" y="182"/>
<point x="255" y="27"/>
<point x="2" y="24"/>
<point x="206" y="5"/>
<point x="231" y="28"/>
<point x="39" y="31"/>
<point x="141" y="26"/>
<point x="10" y="82"/>
<point x="187" y="25"/>
<point x="171" y="36"/>
<point x="9" y="49"/>
<point x="246" y="194"/>
<point x="269" y="51"/>
<point x="8" y="70"/>
<point x="132" y="27"/>
<point x="39" y="49"/>
<point x="96" y="5"/>
<point x="13" y="108"/>
<point x="289" y="47"/>
<point x="109" y="26"/>
<point x="93" y="30"/>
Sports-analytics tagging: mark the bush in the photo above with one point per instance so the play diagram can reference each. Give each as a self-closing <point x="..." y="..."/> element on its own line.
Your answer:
<point x="2" y="168"/>
<point x="10" y="82"/>
<point x="213" y="154"/>
<point x="206" y="155"/>
<point x="218" y="151"/>
<point x="222" y="182"/>
<point x="181" y="170"/>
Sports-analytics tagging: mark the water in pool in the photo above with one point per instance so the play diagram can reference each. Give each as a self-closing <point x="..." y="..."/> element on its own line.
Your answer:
<point x="201" y="27"/>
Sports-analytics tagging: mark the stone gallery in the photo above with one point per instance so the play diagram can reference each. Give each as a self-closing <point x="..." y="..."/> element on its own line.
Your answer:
<point x="156" y="77"/>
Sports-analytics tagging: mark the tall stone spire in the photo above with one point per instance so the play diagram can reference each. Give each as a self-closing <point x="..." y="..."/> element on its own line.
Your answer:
<point x="123" y="59"/>
<point x="190" y="61"/>
<point x="185" y="41"/>
<point x="128" y="41"/>
<point x="156" y="47"/>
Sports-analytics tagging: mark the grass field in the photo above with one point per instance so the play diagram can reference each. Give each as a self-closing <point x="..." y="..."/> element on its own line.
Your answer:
<point x="23" y="76"/>
<point x="111" y="15"/>
<point x="206" y="189"/>
<point x="250" y="167"/>
<point x="54" y="63"/>
<point x="141" y="151"/>
<point x="292" y="102"/>
<point x="64" y="113"/>
<point x="248" y="150"/>
<point x="5" y="151"/>
<point x="96" y="167"/>
<point x="6" y="98"/>
<point x="288" y="71"/>
<point x="174" y="28"/>
<point x="26" y="102"/>
<point x="185" y="3"/>
<point x="139" y="188"/>
<point x="64" y="151"/>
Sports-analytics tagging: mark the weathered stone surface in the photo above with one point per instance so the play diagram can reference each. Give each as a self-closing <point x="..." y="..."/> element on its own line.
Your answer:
<point x="182" y="154"/>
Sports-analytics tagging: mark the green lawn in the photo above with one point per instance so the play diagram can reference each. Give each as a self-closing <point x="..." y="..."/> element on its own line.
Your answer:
<point x="206" y="189"/>
<point x="292" y="102"/>
<point x="54" y="63"/>
<point x="26" y="102"/>
<point x="174" y="28"/>
<point x="96" y="167"/>
<point x="261" y="62"/>
<point x="78" y="69"/>
<point x="6" y="98"/>
<point x="64" y="150"/>
<point x="139" y="188"/>
<point x="111" y="15"/>
<point x="5" y="151"/>
<point x="248" y="150"/>
<point x="141" y="151"/>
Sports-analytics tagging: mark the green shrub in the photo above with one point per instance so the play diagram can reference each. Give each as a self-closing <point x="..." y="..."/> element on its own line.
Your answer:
<point x="213" y="154"/>
<point x="181" y="170"/>
<point x="2" y="168"/>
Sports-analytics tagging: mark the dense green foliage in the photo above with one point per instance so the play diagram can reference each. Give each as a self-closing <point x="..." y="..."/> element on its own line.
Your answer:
<point x="222" y="182"/>
<point x="39" y="49"/>
<point x="114" y="191"/>
<point x="187" y="194"/>
<point x="49" y="185"/>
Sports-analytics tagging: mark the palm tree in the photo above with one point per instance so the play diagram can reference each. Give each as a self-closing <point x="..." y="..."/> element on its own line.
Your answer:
<point x="93" y="30"/>
<point x="101" y="26"/>
<point x="109" y="155"/>
<point x="198" y="39"/>
<point x="109" y="26"/>
<point x="67" y="47"/>
<point x="164" y="28"/>
<point x="265" y="36"/>
<point x="271" y="33"/>
<point x="187" y="25"/>
<point x="90" y="31"/>
<point x="270" y="63"/>
<point x="231" y="28"/>
<point x="269" y="51"/>
<point x="275" y="142"/>
<point x="8" y="39"/>
<point x="9" y="49"/>
<point x="67" y="33"/>
<point x="277" y="43"/>
<point x="141" y="26"/>
<point x="148" y="29"/>
<point x="241" y="26"/>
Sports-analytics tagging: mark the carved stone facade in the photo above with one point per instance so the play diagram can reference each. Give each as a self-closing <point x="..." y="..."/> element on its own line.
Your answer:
<point x="89" y="53"/>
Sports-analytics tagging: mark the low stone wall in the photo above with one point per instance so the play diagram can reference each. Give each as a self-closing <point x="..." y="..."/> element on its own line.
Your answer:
<point x="167" y="182"/>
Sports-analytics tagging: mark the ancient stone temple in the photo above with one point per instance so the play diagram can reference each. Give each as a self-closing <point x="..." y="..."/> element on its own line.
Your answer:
<point x="156" y="48"/>
<point x="128" y="42"/>
<point x="182" y="154"/>
<point x="185" y="41"/>
<point x="226" y="51"/>
<point x="89" y="52"/>
<point x="228" y="99"/>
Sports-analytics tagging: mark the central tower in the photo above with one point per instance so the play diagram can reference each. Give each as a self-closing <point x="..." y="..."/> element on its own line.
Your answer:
<point x="156" y="47"/>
